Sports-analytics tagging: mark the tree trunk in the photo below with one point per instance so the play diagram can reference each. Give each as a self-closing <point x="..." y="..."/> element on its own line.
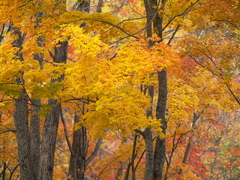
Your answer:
<point x="33" y="163"/>
<point x="35" y="119"/>
<point x="154" y="21"/>
<point x="149" y="141"/>
<point x="160" y="147"/>
<point x="148" y="175"/>
<point x="78" y="159"/>
<point x="50" y="128"/>
<point x="49" y="141"/>
<point x="196" y="116"/>
<point x="21" y="114"/>
<point x="35" y="138"/>
<point x="99" y="6"/>
<point x="79" y="147"/>
<point x="21" y="125"/>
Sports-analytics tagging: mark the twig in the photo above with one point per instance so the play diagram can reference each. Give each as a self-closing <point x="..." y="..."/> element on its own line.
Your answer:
<point x="178" y="15"/>
<point x="174" y="33"/>
<point x="93" y="155"/>
<point x="10" y="130"/>
<point x="107" y="166"/>
<point x="66" y="132"/>
<point x="235" y="97"/>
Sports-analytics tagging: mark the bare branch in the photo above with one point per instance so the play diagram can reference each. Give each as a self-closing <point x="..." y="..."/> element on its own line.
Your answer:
<point x="14" y="169"/>
<point x="178" y="15"/>
<point x="83" y="100"/>
<point x="108" y="165"/>
<point x="116" y="26"/>
<point x="229" y="89"/>
<point x="9" y="130"/>
<point x="94" y="154"/>
<point x="203" y="65"/>
<point x="140" y="158"/>
<point x="235" y="26"/>
<point x="232" y="93"/>
<point x="140" y="132"/>
<point x="173" y="35"/>
<point x="66" y="132"/>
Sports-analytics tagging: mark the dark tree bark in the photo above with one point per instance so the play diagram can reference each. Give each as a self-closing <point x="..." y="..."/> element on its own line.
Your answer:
<point x="28" y="136"/>
<point x="78" y="159"/>
<point x="79" y="148"/>
<point x="35" y="119"/>
<point x="33" y="163"/>
<point x="50" y="128"/>
<point x="99" y="6"/>
<point x="35" y="138"/>
<point x="160" y="147"/>
<point x="3" y="172"/>
<point x="21" y="125"/>
<point x="49" y="141"/>
<point x="148" y="175"/>
<point x="21" y="115"/>
<point x="196" y="116"/>
<point x="155" y="22"/>
<point x="83" y="6"/>
<point x="149" y="140"/>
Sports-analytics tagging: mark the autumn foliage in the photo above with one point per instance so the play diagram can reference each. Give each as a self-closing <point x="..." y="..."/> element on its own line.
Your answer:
<point x="119" y="90"/>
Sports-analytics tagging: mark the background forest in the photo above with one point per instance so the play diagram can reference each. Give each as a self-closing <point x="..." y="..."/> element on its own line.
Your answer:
<point x="119" y="89"/>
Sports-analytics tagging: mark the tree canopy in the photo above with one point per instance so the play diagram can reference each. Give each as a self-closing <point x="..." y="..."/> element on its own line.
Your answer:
<point x="125" y="89"/>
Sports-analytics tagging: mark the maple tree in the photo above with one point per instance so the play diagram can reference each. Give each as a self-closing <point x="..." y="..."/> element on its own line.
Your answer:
<point x="119" y="90"/>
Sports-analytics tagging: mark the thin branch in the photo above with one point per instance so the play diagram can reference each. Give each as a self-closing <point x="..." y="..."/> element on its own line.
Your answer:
<point x="178" y="15"/>
<point x="107" y="166"/>
<point x="228" y="23"/>
<point x="203" y="66"/>
<point x="173" y="35"/>
<point x="3" y="27"/>
<point x="229" y="89"/>
<point x="136" y="11"/>
<point x="9" y="130"/>
<point x="29" y="99"/>
<point x="140" y="159"/>
<point x="51" y="54"/>
<point x="4" y="126"/>
<point x="210" y="53"/>
<point x="210" y="57"/>
<point x="113" y="56"/>
<point x="116" y="26"/>
<point x="169" y="159"/>
<point x="127" y="171"/>
<point x="3" y="173"/>
<point x="94" y="154"/>
<point x="66" y="132"/>
<point x="235" y="97"/>
<point x="150" y="21"/>
<point x="140" y="132"/>
<point x="123" y="22"/>
<point x="154" y="18"/>
<point x="83" y="100"/>
<point x="14" y="169"/>
<point x="19" y="7"/>
<point x="134" y="155"/>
